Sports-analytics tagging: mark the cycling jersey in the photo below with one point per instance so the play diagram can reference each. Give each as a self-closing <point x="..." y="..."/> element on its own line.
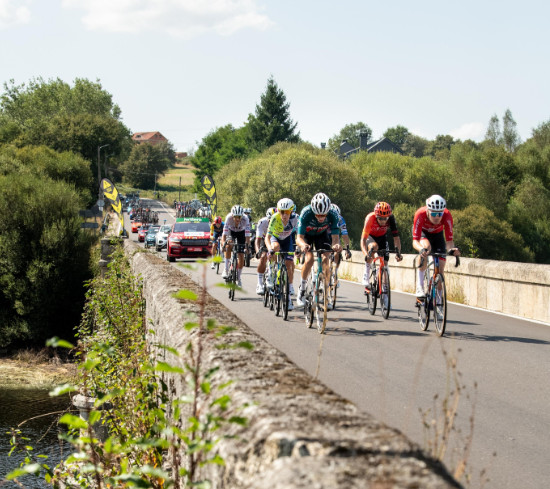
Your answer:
<point x="231" y="225"/>
<point x="342" y="226"/>
<point x="423" y="224"/>
<point x="373" y="228"/>
<point x="308" y="225"/>
<point x="261" y="227"/>
<point x="216" y="229"/>
<point x="278" y="230"/>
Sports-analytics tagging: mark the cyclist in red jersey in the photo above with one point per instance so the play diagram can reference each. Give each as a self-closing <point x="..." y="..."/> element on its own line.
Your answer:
<point x="432" y="231"/>
<point x="374" y="237"/>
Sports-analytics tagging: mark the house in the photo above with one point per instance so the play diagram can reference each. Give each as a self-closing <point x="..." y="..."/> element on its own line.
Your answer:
<point x="149" y="137"/>
<point x="384" y="144"/>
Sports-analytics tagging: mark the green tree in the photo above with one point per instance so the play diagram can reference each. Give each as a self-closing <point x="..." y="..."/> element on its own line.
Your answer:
<point x="397" y="135"/>
<point x="510" y="136"/>
<point x="350" y="133"/>
<point x="297" y="171"/>
<point x="415" y="146"/>
<point x="147" y="162"/>
<point x="271" y="122"/>
<point x="493" y="135"/>
<point x="440" y="147"/>
<point x="217" y="149"/>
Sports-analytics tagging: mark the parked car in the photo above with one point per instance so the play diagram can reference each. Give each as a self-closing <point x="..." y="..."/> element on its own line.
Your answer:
<point x="162" y="237"/>
<point x="151" y="235"/>
<point x="189" y="238"/>
<point x="142" y="231"/>
<point x="135" y="226"/>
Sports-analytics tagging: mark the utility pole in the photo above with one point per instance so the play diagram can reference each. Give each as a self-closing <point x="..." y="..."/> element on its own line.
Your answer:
<point x="179" y="192"/>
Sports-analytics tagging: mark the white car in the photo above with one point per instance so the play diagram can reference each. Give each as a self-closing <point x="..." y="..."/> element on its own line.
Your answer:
<point x="162" y="237"/>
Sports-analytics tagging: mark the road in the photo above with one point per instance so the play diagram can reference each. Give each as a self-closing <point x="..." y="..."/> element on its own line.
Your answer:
<point x="393" y="370"/>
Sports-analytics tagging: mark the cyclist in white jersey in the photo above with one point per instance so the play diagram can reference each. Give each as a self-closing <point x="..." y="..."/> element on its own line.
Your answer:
<point x="237" y="228"/>
<point x="259" y="245"/>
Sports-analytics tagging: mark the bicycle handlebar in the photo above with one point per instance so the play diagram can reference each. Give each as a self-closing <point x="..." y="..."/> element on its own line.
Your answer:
<point x="440" y="255"/>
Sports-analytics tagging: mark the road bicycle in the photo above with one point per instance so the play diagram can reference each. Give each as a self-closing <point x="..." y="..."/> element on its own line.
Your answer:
<point x="316" y="296"/>
<point x="231" y="279"/>
<point x="280" y="292"/>
<point x="218" y="257"/>
<point x="333" y="282"/>
<point x="379" y="283"/>
<point x="435" y="295"/>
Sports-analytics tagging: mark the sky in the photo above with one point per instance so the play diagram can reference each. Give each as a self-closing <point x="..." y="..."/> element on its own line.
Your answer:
<point x="187" y="67"/>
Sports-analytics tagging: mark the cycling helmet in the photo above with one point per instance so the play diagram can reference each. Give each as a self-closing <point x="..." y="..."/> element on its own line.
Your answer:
<point x="218" y="220"/>
<point x="334" y="207"/>
<point x="237" y="211"/>
<point x="382" y="209"/>
<point x="247" y="210"/>
<point x="270" y="212"/>
<point x="436" y="203"/>
<point x="285" y="205"/>
<point x="320" y="204"/>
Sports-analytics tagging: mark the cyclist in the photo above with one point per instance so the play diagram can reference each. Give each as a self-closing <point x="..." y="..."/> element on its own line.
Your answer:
<point x="375" y="237"/>
<point x="317" y="226"/>
<point x="237" y="227"/>
<point x="261" y="250"/>
<point x="343" y="230"/>
<point x="249" y="249"/>
<point x="279" y="237"/>
<point x="432" y="231"/>
<point x="216" y="230"/>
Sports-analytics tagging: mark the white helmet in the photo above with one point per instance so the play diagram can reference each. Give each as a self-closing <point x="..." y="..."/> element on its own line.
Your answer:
<point x="247" y="210"/>
<point x="285" y="205"/>
<point x="270" y="212"/>
<point x="320" y="204"/>
<point x="436" y="203"/>
<point x="237" y="211"/>
<point x="334" y="207"/>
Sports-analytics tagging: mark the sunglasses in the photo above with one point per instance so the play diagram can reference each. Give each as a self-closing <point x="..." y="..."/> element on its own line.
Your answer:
<point x="285" y="212"/>
<point x="382" y="218"/>
<point x="320" y="215"/>
<point x="436" y="214"/>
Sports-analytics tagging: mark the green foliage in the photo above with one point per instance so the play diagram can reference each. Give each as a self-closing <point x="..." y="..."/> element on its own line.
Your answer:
<point x="481" y="234"/>
<point x="147" y="162"/>
<point x="297" y="171"/>
<point x="146" y="430"/>
<point x="397" y="135"/>
<point x="349" y="132"/>
<point x="271" y="122"/>
<point x="44" y="257"/>
<point x="217" y="149"/>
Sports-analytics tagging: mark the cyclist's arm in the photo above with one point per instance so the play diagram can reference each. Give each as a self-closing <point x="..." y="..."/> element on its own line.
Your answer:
<point x="336" y="246"/>
<point x="301" y="242"/>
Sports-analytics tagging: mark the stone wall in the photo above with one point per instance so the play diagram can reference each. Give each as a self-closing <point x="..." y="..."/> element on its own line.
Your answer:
<point x="299" y="434"/>
<point x="518" y="289"/>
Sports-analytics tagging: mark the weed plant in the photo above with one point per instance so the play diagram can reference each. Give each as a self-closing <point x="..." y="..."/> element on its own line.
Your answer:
<point x="151" y="440"/>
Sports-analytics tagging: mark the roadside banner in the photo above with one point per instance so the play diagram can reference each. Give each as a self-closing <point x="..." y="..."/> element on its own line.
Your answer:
<point x="111" y="194"/>
<point x="210" y="190"/>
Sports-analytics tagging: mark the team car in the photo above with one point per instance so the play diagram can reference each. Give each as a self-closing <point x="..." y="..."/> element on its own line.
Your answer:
<point x="150" y="237"/>
<point x="162" y="237"/>
<point x="189" y="238"/>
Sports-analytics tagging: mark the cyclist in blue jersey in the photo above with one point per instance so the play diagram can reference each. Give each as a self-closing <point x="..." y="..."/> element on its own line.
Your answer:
<point x="318" y="227"/>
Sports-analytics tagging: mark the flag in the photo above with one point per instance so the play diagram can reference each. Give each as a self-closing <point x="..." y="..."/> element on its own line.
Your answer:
<point x="111" y="194"/>
<point x="210" y="190"/>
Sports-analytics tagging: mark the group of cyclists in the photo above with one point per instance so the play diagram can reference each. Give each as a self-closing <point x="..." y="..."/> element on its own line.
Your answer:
<point x="321" y="226"/>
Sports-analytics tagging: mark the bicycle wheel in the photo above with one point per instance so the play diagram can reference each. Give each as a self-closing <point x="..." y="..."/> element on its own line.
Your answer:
<point x="219" y="257"/>
<point x="385" y="294"/>
<point x="308" y="305"/>
<point x="333" y="290"/>
<point x="424" y="306"/>
<point x="285" y="291"/>
<point x="440" y="304"/>
<point x="372" y="295"/>
<point x="320" y="304"/>
<point x="266" y="292"/>
<point x="232" y="282"/>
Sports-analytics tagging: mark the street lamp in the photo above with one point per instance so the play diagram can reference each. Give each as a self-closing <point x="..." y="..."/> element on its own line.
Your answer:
<point x="105" y="163"/>
<point x="99" y="148"/>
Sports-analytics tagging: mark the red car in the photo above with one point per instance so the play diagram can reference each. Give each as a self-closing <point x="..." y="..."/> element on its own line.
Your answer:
<point x="189" y="238"/>
<point x="142" y="231"/>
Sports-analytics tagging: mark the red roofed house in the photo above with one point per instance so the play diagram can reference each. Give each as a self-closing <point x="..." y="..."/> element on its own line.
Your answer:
<point x="149" y="137"/>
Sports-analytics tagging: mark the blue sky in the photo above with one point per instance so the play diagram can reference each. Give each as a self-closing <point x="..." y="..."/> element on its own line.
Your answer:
<point x="186" y="67"/>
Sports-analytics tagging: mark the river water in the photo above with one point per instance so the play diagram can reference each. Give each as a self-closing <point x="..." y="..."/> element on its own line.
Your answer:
<point x="18" y="405"/>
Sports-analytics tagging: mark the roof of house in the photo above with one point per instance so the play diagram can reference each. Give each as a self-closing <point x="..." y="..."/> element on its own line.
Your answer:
<point x="148" y="136"/>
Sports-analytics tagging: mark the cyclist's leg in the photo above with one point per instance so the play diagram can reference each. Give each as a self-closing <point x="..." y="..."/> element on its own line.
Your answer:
<point x="306" y="269"/>
<point x="421" y="270"/>
<point x="287" y="245"/>
<point x="240" y="241"/>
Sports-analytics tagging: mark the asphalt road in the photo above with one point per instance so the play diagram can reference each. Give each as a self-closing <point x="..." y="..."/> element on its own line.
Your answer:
<point x="393" y="370"/>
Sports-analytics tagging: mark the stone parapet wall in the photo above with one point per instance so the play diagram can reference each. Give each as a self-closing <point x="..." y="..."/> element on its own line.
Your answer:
<point x="300" y="434"/>
<point x="518" y="289"/>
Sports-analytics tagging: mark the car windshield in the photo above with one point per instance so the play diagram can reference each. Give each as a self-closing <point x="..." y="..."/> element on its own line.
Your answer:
<point x="165" y="229"/>
<point x="197" y="227"/>
<point x="153" y="230"/>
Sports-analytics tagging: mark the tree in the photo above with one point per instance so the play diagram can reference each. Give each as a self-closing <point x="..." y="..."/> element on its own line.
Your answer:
<point x="350" y="133"/>
<point x="510" y="136"/>
<point x="217" y="149"/>
<point x="415" y="146"/>
<point x="146" y="163"/>
<point x="440" y="147"/>
<point x="493" y="135"/>
<point x="397" y="135"/>
<point x="271" y="123"/>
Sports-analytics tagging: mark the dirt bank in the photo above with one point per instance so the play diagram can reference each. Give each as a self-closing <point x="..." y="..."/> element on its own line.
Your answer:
<point x="21" y="375"/>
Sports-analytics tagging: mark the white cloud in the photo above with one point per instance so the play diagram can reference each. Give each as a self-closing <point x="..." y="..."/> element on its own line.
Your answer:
<point x="470" y="130"/>
<point x="179" y="18"/>
<point x="12" y="13"/>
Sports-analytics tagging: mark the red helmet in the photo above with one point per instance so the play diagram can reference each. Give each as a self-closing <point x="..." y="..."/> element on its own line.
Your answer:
<point x="218" y="220"/>
<point x="382" y="209"/>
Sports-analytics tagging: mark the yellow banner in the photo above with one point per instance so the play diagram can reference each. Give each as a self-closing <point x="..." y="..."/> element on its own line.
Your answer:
<point x="210" y="191"/>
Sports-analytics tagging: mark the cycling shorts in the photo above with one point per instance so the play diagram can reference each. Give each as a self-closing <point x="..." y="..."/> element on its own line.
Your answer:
<point x="437" y="242"/>
<point x="321" y="241"/>
<point x="287" y="244"/>
<point x="238" y="237"/>
<point x="217" y="234"/>
<point x="382" y="242"/>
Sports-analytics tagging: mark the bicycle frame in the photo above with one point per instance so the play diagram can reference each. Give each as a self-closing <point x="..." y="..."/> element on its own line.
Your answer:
<point x="233" y="267"/>
<point x="316" y="296"/>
